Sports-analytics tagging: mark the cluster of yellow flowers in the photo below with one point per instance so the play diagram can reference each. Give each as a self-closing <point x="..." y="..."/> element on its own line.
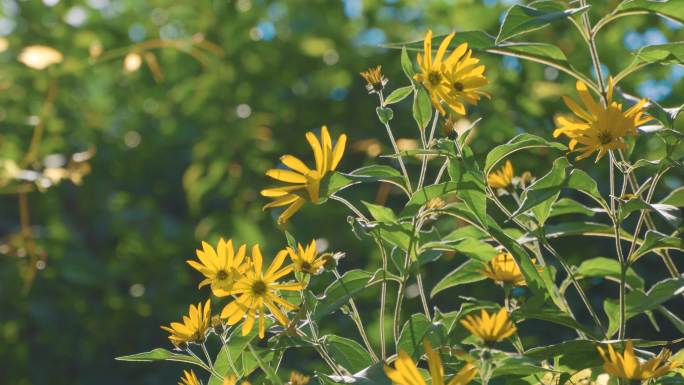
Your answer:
<point x="232" y="273"/>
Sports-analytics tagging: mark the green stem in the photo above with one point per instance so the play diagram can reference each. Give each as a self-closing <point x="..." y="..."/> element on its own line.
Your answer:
<point x="350" y="206"/>
<point x="383" y="296"/>
<point x="425" y="142"/>
<point x="594" y="52"/>
<point x="390" y="134"/>
<point x="356" y="317"/>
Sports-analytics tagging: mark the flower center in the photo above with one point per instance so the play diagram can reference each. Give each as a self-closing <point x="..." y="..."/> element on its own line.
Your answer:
<point x="306" y="266"/>
<point x="259" y="287"/>
<point x="605" y="137"/>
<point x="458" y="86"/>
<point x="434" y="77"/>
<point x="221" y="275"/>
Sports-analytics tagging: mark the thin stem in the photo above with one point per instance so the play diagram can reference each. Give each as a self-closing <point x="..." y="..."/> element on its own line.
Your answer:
<point x="320" y="348"/>
<point x="421" y="291"/>
<point x="390" y="134"/>
<point x="425" y="142"/>
<point x="438" y="179"/>
<point x="618" y="247"/>
<point x="404" y="278"/>
<point x="383" y="296"/>
<point x="206" y="354"/>
<point x="356" y="317"/>
<point x="593" y="52"/>
<point x="350" y="206"/>
<point x="203" y="365"/>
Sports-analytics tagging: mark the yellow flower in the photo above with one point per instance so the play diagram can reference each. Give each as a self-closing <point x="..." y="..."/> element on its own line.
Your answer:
<point x="297" y="378"/>
<point x="220" y="267"/>
<point x="375" y="80"/>
<point x="405" y="371"/>
<point x="504" y="269"/>
<point x="304" y="182"/>
<point x="40" y="57"/>
<point x="501" y="178"/>
<point x="257" y="290"/>
<point x="598" y="127"/>
<point x="455" y="80"/>
<point x="189" y="378"/>
<point x="304" y="259"/>
<point x="194" y="326"/>
<point x="490" y="328"/>
<point x="630" y="367"/>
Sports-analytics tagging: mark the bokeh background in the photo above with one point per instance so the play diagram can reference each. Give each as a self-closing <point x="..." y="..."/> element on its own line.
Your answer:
<point x="175" y="109"/>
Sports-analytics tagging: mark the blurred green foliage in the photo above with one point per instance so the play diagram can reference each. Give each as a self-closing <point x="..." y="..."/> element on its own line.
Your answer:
<point x="182" y="142"/>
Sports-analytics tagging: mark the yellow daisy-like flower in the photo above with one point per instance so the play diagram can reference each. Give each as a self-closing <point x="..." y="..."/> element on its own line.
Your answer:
<point x="630" y="367"/>
<point x="305" y="259"/>
<point x="189" y="378"/>
<point x="490" y="328"/>
<point x="375" y="80"/>
<point x="501" y="178"/>
<point x="405" y="371"/>
<point x="194" y="327"/>
<point x="221" y="267"/>
<point x="503" y="269"/>
<point x="455" y="80"/>
<point x="304" y="182"/>
<point x="257" y="290"/>
<point x="297" y="378"/>
<point x="597" y="127"/>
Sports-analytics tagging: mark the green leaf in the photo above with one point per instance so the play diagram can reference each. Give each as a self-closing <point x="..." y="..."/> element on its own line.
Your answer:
<point x="385" y="114"/>
<point x="160" y="354"/>
<point x="331" y="184"/>
<point x="422" y="196"/>
<point x="575" y="354"/>
<point x="566" y="206"/>
<point x="422" y="108"/>
<point x="581" y="181"/>
<point x="638" y="301"/>
<point x="468" y="272"/>
<point x="569" y="229"/>
<point x="340" y="291"/>
<point x="675" y="198"/>
<point x="473" y="248"/>
<point x="607" y="267"/>
<point x="377" y="173"/>
<point x="669" y="213"/>
<point x="411" y="337"/>
<point x="553" y="316"/>
<point x="380" y="213"/>
<point x="517" y="143"/>
<point x="521" y="19"/>
<point x="672" y="8"/>
<point x="470" y="182"/>
<point x="234" y="354"/>
<point x="372" y="375"/>
<point x="348" y="353"/>
<point x="398" y="95"/>
<point x="407" y="64"/>
<point x="656" y="241"/>
<point x="540" y="195"/>
<point x="669" y="53"/>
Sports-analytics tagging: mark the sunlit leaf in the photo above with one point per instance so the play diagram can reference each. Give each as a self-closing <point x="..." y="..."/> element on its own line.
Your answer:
<point x="468" y="272"/>
<point x="521" y="19"/>
<point x="348" y="353"/>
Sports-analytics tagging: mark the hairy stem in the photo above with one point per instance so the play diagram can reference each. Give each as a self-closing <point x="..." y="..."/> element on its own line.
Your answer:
<point x="383" y="296"/>
<point x="390" y="134"/>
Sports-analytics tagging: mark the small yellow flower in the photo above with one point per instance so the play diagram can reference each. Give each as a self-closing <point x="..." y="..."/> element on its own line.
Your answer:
<point x="628" y="366"/>
<point x="490" y="328"/>
<point x="598" y="127"/>
<point x="405" y="371"/>
<point x="306" y="260"/>
<point x="501" y="178"/>
<point x="40" y="57"/>
<point x="194" y="327"/>
<point x="258" y="290"/>
<point x="304" y="182"/>
<point x="503" y="269"/>
<point x="455" y="80"/>
<point x="221" y="267"/>
<point x="297" y="378"/>
<point x="189" y="378"/>
<point x="375" y="80"/>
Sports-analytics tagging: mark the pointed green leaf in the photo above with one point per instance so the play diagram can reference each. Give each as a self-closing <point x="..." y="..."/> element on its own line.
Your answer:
<point x="517" y="143"/>
<point x="422" y="108"/>
<point x="348" y="353"/>
<point x="398" y="95"/>
<point x="468" y="272"/>
<point x="521" y="19"/>
<point x="606" y="267"/>
<point x="656" y="241"/>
